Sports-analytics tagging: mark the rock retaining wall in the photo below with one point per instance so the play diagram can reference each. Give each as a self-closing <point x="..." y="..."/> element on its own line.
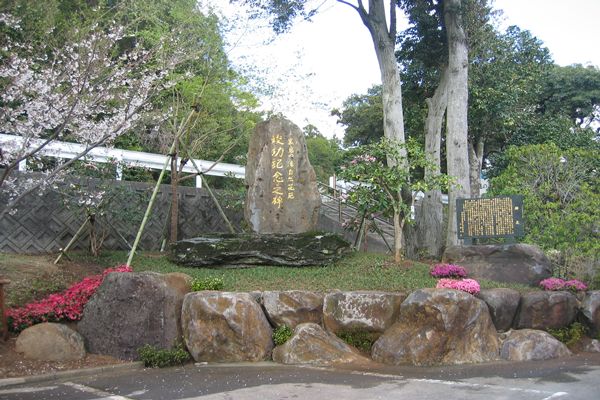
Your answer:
<point x="427" y="327"/>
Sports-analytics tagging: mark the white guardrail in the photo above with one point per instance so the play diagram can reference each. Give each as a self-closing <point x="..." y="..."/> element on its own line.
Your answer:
<point x="128" y="157"/>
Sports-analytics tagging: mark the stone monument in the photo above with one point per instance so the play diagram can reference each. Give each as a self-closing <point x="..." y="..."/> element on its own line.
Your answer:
<point x="282" y="194"/>
<point x="282" y="209"/>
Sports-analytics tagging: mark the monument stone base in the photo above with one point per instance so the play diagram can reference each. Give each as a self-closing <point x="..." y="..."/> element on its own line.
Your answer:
<point x="224" y="250"/>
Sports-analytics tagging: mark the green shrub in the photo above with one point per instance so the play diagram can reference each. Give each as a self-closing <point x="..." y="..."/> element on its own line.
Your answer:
<point x="361" y="340"/>
<point x="281" y="334"/>
<point x="208" y="283"/>
<point x="159" y="358"/>
<point x="561" y="189"/>
<point x="569" y="335"/>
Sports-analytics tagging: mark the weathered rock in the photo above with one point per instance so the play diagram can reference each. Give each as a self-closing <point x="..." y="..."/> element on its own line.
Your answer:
<point x="225" y="327"/>
<point x="365" y="311"/>
<point x="130" y="310"/>
<point x="311" y="344"/>
<point x="593" y="346"/>
<point x="439" y="326"/>
<point x="544" y="310"/>
<point x="50" y="342"/>
<point x="503" y="304"/>
<point x="519" y="263"/>
<point x="590" y="308"/>
<point x="293" y="307"/>
<point x="294" y="250"/>
<point x="282" y="195"/>
<point x="531" y="344"/>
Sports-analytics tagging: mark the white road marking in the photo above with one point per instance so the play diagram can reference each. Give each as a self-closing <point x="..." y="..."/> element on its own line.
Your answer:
<point x="27" y="390"/>
<point x="96" y="392"/>
<point x="556" y="395"/>
<point x="483" y="385"/>
<point x="136" y="393"/>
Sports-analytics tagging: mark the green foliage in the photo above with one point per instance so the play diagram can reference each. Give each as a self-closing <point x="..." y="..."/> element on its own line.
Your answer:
<point x="362" y="115"/>
<point x="569" y="335"/>
<point x="572" y="91"/>
<point x="324" y="154"/>
<point x="561" y="190"/>
<point x="159" y="358"/>
<point x="282" y="334"/>
<point x="361" y="340"/>
<point x="208" y="283"/>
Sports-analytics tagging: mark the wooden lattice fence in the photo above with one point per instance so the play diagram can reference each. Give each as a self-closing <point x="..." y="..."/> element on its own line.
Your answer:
<point x="43" y="224"/>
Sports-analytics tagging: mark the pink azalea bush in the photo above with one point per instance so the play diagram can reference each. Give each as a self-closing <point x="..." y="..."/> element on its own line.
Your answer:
<point x="64" y="306"/>
<point x="561" y="284"/>
<point x="466" y="285"/>
<point x="448" y="271"/>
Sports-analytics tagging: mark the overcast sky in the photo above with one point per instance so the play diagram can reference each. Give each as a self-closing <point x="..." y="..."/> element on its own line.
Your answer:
<point x="316" y="66"/>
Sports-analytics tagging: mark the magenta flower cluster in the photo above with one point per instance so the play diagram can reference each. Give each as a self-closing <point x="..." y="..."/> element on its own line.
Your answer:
<point x="448" y="271"/>
<point x="561" y="284"/>
<point x="466" y="285"/>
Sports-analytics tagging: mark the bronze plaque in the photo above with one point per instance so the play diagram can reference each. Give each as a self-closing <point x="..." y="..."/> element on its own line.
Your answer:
<point x="490" y="218"/>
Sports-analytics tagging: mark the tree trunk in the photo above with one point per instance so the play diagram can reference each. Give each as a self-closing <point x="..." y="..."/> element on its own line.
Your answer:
<point x="398" y="224"/>
<point x="429" y="227"/>
<point x="174" y="198"/>
<point x="475" y="164"/>
<point x="384" y="41"/>
<point x="456" y="121"/>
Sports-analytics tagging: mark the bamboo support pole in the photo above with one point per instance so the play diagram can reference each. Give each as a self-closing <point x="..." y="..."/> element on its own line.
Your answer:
<point x="231" y="229"/>
<point x="73" y="239"/>
<point x="151" y="204"/>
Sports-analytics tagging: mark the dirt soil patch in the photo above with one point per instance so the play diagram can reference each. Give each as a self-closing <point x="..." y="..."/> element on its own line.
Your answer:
<point x="33" y="278"/>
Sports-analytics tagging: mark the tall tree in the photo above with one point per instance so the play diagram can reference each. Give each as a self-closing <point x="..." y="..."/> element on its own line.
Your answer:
<point x="456" y="118"/>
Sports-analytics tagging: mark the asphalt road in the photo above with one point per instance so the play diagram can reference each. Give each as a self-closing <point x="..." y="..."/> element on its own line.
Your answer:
<point x="569" y="378"/>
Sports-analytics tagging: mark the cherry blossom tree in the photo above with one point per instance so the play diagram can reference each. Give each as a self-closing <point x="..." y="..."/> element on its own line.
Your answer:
<point x="91" y="91"/>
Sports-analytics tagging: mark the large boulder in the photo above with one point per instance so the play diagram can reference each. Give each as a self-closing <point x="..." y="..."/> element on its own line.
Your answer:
<point x="439" y="326"/>
<point x="361" y="311"/>
<point x="293" y="307"/>
<point x="292" y="250"/>
<point x="50" y="342"/>
<point x="590" y="308"/>
<point x="546" y="310"/>
<point x="531" y="344"/>
<point x="131" y="310"/>
<point x="503" y="304"/>
<point x="311" y="344"/>
<point x="282" y="195"/>
<point x="518" y="263"/>
<point x="225" y="327"/>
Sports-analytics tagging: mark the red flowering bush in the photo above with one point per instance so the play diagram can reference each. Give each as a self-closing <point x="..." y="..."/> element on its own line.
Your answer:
<point x="466" y="285"/>
<point x="64" y="306"/>
<point x="573" y="285"/>
<point x="448" y="271"/>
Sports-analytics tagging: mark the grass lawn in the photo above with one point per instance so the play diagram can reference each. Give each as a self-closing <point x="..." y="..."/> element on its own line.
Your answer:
<point x="358" y="271"/>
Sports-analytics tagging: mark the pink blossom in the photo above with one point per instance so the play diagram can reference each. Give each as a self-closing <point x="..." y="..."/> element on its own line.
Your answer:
<point x="67" y="305"/>
<point x="448" y="271"/>
<point x="560" y="284"/>
<point x="466" y="285"/>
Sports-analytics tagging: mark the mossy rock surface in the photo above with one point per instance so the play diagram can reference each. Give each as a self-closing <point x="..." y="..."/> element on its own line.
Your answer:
<point x="245" y="249"/>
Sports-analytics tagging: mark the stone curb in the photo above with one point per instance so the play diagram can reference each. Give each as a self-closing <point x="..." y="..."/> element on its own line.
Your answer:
<point x="74" y="373"/>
